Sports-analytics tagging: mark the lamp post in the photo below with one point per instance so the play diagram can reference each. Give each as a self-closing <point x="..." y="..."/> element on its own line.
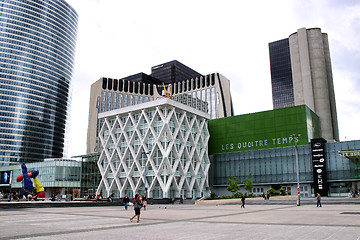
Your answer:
<point x="295" y="137"/>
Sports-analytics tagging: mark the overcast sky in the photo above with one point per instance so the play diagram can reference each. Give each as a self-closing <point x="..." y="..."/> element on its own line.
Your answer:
<point x="118" y="38"/>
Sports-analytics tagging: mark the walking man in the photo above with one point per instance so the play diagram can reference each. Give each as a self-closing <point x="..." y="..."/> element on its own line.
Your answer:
<point x="126" y="201"/>
<point x="243" y="201"/>
<point x="318" y="198"/>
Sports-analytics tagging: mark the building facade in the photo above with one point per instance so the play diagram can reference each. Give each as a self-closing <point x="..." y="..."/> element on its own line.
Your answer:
<point x="262" y="144"/>
<point x="58" y="176"/>
<point x="311" y="76"/>
<point x="281" y="75"/>
<point x="159" y="147"/>
<point x="209" y="93"/>
<point x="37" y="40"/>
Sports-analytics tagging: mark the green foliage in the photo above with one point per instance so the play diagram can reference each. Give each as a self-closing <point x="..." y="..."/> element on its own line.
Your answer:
<point x="237" y="195"/>
<point x="271" y="191"/>
<point x="282" y="191"/>
<point x="248" y="184"/>
<point x="250" y="195"/>
<point x="233" y="185"/>
<point x="213" y="195"/>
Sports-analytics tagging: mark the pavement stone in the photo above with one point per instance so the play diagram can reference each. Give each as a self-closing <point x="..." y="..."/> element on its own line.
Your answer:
<point x="184" y="221"/>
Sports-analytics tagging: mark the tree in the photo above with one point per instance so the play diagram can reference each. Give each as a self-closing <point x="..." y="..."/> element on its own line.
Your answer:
<point x="233" y="185"/>
<point x="249" y="185"/>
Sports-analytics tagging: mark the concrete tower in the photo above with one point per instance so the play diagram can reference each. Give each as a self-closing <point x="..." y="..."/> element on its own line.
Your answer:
<point x="311" y="77"/>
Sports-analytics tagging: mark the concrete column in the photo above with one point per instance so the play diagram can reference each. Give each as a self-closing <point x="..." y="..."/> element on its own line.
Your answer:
<point x="331" y="87"/>
<point x="301" y="70"/>
<point x="320" y="82"/>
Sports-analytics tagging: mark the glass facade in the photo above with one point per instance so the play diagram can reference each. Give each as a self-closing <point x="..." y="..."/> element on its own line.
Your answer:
<point x="270" y="167"/>
<point x="53" y="174"/>
<point x="37" y="40"/>
<point x="268" y="129"/>
<point x="172" y="72"/>
<point x="281" y="74"/>
<point x="90" y="174"/>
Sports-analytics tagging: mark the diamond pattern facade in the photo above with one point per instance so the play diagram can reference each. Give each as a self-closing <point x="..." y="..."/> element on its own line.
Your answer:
<point x="160" y="146"/>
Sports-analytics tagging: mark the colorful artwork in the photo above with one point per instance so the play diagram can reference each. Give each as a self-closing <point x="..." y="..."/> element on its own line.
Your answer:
<point x="28" y="184"/>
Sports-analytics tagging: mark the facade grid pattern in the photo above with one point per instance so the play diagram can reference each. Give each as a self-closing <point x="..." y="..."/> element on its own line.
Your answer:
<point x="161" y="149"/>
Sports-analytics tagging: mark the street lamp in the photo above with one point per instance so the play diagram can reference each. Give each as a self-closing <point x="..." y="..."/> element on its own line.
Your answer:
<point x="295" y="137"/>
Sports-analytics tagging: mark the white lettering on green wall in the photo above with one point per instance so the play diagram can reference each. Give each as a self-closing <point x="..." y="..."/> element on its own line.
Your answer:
<point x="259" y="143"/>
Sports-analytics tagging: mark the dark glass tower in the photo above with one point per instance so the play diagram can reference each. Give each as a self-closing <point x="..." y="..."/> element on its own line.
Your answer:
<point x="172" y="72"/>
<point x="281" y="74"/>
<point x="37" y="40"/>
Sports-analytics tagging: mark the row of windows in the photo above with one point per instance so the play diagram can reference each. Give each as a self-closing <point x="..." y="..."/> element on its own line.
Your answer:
<point x="51" y="47"/>
<point x="26" y="156"/>
<point x="40" y="42"/>
<point x="27" y="23"/>
<point x="17" y="120"/>
<point x="22" y="138"/>
<point x="27" y="132"/>
<point x="29" y="115"/>
<point x="34" y="59"/>
<point x="60" y="95"/>
<point x="20" y="71"/>
<point x="10" y="115"/>
<point x="37" y="107"/>
<point x="36" y="112"/>
<point x="52" y="56"/>
<point x="70" y="16"/>
<point x="113" y="100"/>
<point x="6" y="96"/>
<point x="38" y="34"/>
<point x="46" y="19"/>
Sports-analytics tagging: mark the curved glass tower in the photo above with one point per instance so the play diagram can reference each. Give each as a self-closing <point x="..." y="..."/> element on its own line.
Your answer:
<point x="37" y="48"/>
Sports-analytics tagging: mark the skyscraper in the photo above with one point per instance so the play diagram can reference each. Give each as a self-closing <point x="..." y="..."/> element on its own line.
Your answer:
<point x="301" y="64"/>
<point x="37" y="40"/>
<point x="281" y="75"/>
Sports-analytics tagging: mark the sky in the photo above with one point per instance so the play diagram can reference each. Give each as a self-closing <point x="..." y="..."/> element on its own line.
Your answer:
<point x="118" y="38"/>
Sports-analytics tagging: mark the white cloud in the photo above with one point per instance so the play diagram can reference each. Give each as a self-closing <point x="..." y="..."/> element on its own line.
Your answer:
<point x="120" y="38"/>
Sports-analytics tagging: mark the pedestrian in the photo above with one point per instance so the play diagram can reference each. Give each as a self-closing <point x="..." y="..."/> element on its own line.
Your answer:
<point x="10" y="197"/>
<point x="126" y="201"/>
<point x="144" y="201"/>
<point x="243" y="201"/>
<point x="137" y="206"/>
<point x="318" y="198"/>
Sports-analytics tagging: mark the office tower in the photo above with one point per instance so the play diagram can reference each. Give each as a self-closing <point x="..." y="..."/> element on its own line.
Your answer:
<point x="311" y="76"/>
<point x="209" y="93"/>
<point x="281" y="75"/>
<point x="37" y="41"/>
<point x="173" y="71"/>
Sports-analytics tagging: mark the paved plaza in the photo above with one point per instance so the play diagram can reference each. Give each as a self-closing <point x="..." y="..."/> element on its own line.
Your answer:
<point x="183" y="222"/>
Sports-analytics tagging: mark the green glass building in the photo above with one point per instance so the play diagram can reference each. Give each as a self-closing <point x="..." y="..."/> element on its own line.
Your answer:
<point x="261" y="144"/>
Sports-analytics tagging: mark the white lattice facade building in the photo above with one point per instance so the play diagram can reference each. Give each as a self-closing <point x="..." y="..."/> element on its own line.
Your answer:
<point x="160" y="146"/>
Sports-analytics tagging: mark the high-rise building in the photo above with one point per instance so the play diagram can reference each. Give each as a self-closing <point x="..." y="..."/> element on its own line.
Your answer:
<point x="37" y="40"/>
<point x="301" y="74"/>
<point x="281" y="75"/>
<point x="173" y="71"/>
<point x="209" y="93"/>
